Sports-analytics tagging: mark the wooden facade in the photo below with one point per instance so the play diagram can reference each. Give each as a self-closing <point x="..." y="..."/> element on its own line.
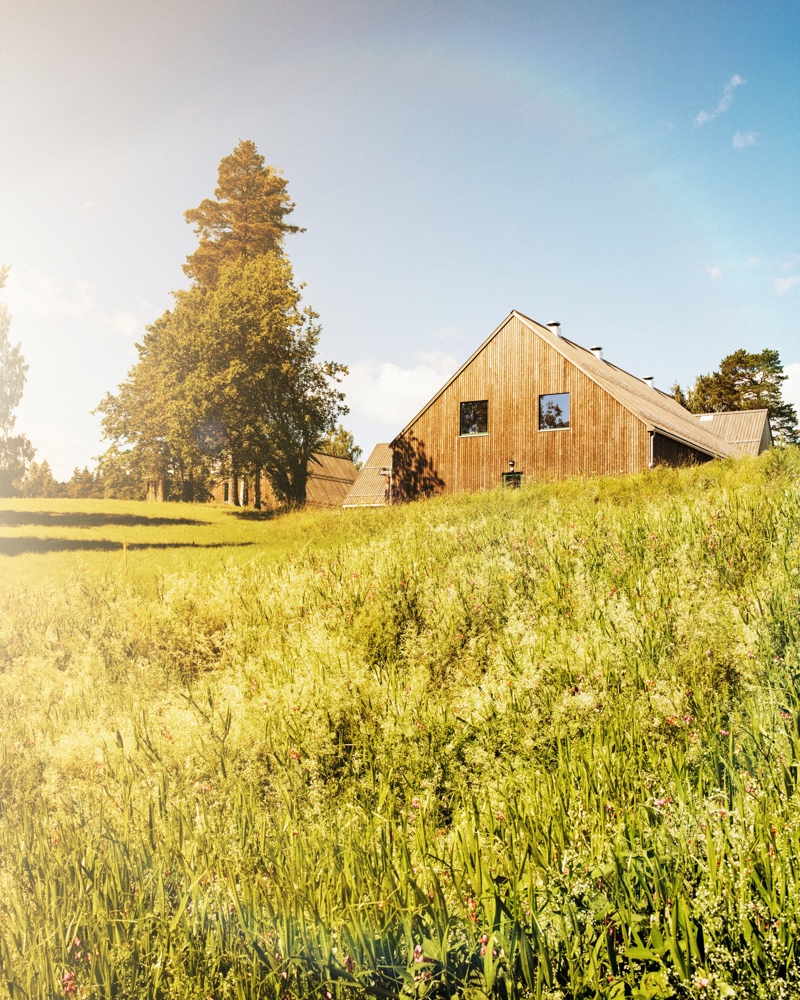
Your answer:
<point x="617" y="423"/>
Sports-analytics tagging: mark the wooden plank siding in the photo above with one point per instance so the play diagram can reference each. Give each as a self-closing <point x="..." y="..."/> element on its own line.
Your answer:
<point x="511" y="371"/>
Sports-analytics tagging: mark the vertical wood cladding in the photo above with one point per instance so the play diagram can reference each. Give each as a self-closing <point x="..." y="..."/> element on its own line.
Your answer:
<point x="512" y="371"/>
<point x="669" y="452"/>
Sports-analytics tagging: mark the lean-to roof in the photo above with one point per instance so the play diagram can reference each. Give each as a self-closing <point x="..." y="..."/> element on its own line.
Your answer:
<point x="329" y="479"/>
<point x="369" y="489"/>
<point x="658" y="411"/>
<point x="746" y="430"/>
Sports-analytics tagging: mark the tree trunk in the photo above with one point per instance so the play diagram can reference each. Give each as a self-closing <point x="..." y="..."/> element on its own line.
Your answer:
<point x="233" y="493"/>
<point x="257" y="488"/>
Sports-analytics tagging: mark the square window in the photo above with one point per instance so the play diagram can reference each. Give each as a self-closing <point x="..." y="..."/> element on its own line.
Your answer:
<point x="474" y="417"/>
<point x="554" y="411"/>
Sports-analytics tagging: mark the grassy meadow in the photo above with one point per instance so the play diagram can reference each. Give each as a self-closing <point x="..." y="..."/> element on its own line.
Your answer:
<point x="540" y="743"/>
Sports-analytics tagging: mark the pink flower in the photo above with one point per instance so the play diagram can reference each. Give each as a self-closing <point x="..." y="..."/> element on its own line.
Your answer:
<point x="415" y="803"/>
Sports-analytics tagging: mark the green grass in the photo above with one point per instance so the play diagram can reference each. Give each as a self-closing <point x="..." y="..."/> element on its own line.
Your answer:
<point x="51" y="540"/>
<point x="535" y="743"/>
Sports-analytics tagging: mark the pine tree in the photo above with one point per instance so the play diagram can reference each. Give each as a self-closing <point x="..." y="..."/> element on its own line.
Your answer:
<point x="245" y="221"/>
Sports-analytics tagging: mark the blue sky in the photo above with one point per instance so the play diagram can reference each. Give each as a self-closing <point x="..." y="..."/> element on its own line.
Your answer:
<point x="628" y="169"/>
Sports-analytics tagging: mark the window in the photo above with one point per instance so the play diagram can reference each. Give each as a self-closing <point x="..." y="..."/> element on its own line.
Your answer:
<point x="475" y="417"/>
<point x="512" y="480"/>
<point x="554" y="411"/>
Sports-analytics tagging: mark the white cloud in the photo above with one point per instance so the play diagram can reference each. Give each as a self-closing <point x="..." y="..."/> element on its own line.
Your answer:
<point x="724" y="101"/>
<point x="121" y="323"/>
<point x="783" y="285"/>
<point x="385" y="393"/>
<point x="791" y="387"/>
<point x="36" y="292"/>
<point x="744" y="139"/>
<point x="714" y="271"/>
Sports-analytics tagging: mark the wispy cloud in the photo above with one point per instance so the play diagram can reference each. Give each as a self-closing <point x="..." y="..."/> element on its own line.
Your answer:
<point x="724" y="101"/>
<point x="714" y="271"/>
<point x="35" y="295"/>
<point x="121" y="323"/>
<point x="783" y="285"/>
<point x="386" y="394"/>
<point x="744" y="139"/>
<point x="36" y="292"/>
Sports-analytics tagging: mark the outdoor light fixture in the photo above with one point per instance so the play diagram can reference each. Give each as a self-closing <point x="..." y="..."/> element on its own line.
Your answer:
<point x="511" y="465"/>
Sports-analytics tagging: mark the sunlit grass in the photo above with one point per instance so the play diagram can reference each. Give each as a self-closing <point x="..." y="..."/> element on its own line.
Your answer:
<point x="529" y="743"/>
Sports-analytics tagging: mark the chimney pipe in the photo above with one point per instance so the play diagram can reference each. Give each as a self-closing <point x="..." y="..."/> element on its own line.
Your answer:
<point x="598" y="352"/>
<point x="648" y="380"/>
<point x="555" y="328"/>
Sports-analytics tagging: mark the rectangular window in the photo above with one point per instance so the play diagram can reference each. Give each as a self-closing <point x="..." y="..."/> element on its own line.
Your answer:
<point x="554" y="411"/>
<point x="474" y="417"/>
<point x="512" y="480"/>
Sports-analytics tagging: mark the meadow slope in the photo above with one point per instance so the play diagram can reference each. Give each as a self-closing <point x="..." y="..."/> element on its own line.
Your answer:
<point x="537" y="743"/>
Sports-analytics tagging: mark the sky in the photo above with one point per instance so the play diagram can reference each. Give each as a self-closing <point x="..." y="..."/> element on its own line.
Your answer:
<point x="631" y="170"/>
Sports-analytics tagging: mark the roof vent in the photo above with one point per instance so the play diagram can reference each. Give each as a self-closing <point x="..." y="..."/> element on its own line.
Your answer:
<point x="598" y="352"/>
<point x="648" y="380"/>
<point x="555" y="328"/>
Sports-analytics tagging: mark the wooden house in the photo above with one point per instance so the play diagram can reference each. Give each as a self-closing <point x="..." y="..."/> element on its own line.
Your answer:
<point x="330" y="478"/>
<point x="530" y="403"/>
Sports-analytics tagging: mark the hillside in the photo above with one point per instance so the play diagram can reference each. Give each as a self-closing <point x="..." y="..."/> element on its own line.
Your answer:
<point x="531" y="743"/>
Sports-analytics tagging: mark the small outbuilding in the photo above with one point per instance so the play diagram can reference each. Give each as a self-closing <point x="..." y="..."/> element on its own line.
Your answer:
<point x="330" y="478"/>
<point x="530" y="403"/>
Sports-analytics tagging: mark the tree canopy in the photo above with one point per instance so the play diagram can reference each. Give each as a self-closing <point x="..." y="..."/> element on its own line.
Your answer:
<point x="745" y="381"/>
<point x="246" y="220"/>
<point x="15" y="449"/>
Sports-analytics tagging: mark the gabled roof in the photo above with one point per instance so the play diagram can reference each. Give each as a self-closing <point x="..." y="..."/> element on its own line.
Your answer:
<point x="329" y="479"/>
<point x="369" y="489"/>
<point x="746" y="430"/>
<point x="657" y="411"/>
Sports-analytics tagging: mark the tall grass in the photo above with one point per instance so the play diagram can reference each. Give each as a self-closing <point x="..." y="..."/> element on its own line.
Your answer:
<point x="541" y="743"/>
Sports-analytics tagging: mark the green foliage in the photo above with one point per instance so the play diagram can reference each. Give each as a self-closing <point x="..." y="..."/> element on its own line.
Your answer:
<point x="230" y="379"/>
<point x="39" y="481"/>
<point x="245" y="222"/>
<point x="15" y="449"/>
<point x="341" y="442"/>
<point x="532" y="743"/>
<point x="745" y="381"/>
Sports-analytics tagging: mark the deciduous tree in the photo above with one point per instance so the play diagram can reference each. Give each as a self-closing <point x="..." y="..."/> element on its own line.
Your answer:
<point x="15" y="449"/>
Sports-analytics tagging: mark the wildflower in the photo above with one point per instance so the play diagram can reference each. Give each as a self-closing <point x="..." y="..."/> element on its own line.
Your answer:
<point x="500" y="817"/>
<point x="415" y="803"/>
<point x="294" y="753"/>
<point x="349" y="964"/>
<point x="724" y="732"/>
<point x="418" y="953"/>
<point x="702" y="983"/>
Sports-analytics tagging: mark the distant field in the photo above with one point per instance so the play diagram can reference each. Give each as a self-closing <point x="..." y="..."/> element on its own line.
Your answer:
<point x="540" y="743"/>
<point x="44" y="541"/>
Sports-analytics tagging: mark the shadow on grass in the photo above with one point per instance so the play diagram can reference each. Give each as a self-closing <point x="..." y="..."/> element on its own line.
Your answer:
<point x="251" y="514"/>
<point x="54" y="519"/>
<point x="17" y="546"/>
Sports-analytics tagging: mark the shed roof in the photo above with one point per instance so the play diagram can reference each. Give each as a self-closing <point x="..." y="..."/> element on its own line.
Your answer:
<point x="329" y="479"/>
<point x="746" y="430"/>
<point x="658" y="411"/>
<point x="369" y="489"/>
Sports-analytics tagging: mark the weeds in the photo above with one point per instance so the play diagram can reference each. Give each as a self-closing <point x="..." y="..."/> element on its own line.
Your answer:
<point x="540" y="743"/>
